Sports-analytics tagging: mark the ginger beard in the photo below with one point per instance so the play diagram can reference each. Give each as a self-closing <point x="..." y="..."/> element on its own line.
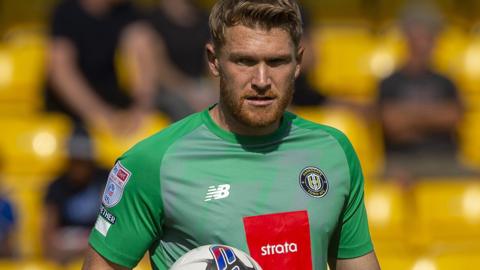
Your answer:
<point x="257" y="68"/>
<point x="252" y="116"/>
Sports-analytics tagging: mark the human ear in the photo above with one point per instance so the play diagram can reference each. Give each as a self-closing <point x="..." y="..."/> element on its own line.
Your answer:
<point x="299" y="57"/>
<point x="212" y="59"/>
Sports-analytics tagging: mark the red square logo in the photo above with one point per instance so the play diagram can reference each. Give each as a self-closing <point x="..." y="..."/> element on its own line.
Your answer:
<point x="123" y="175"/>
<point x="280" y="241"/>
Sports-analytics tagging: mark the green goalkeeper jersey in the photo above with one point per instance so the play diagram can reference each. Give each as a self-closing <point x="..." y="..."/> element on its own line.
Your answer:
<point x="291" y="199"/>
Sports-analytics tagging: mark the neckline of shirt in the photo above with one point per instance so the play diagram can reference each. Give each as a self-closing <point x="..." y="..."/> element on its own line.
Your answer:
<point x="282" y="131"/>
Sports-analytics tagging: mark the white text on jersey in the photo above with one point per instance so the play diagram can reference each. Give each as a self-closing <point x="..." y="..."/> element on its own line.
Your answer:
<point x="279" y="249"/>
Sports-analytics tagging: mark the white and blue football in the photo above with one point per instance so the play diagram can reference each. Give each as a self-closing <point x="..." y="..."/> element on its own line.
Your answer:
<point x="215" y="257"/>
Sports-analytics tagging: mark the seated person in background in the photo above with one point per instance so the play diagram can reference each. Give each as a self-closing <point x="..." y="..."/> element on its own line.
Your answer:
<point x="7" y="223"/>
<point x="305" y="93"/>
<point x="71" y="203"/>
<point x="419" y="109"/>
<point x="82" y="82"/>
<point x="182" y="29"/>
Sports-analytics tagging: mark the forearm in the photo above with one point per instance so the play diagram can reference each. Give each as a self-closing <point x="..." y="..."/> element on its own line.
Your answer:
<point x="75" y="92"/>
<point x="443" y="117"/>
<point x="365" y="262"/>
<point x="93" y="261"/>
<point x="149" y="66"/>
<point x="138" y="49"/>
<point x="71" y="86"/>
<point x="398" y="124"/>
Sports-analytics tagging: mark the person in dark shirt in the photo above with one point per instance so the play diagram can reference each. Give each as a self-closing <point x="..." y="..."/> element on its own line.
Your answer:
<point x="8" y="222"/>
<point x="182" y="31"/>
<point x="71" y="203"/>
<point x="419" y="108"/>
<point x="183" y="28"/>
<point x="82" y="81"/>
<point x="306" y="94"/>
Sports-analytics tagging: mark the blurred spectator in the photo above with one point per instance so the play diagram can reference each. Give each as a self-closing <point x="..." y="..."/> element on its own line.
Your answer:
<point x="305" y="93"/>
<point x="72" y="202"/>
<point x="419" y="108"/>
<point x="7" y="223"/>
<point x="182" y="29"/>
<point x="85" y="37"/>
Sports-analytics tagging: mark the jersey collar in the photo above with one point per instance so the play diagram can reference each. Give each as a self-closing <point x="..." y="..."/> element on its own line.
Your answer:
<point x="272" y="138"/>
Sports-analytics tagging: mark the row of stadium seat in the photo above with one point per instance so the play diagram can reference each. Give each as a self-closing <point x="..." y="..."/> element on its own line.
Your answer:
<point x="435" y="212"/>
<point x="22" y="74"/>
<point x="351" y="60"/>
<point x="47" y="265"/>
<point x="464" y="260"/>
<point x="446" y="261"/>
<point x="436" y="218"/>
<point x="36" y="144"/>
<point x="442" y="261"/>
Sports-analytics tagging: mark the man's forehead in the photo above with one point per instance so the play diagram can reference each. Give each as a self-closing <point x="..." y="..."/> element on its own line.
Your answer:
<point x="243" y="39"/>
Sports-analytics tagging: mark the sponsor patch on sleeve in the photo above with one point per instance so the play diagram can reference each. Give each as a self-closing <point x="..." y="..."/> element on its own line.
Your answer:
<point x="107" y="215"/>
<point x="102" y="226"/>
<point x="117" y="179"/>
<point x="119" y="174"/>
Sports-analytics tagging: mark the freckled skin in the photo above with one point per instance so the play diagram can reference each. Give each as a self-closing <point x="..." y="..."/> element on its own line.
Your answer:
<point x="257" y="69"/>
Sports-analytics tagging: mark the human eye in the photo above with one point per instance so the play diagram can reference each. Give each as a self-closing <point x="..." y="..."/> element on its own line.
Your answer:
<point x="244" y="61"/>
<point x="278" y="61"/>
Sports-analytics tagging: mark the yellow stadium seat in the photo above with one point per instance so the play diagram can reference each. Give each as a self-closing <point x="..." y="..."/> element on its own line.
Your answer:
<point x="27" y="265"/>
<point x="436" y="260"/>
<point x="388" y="215"/>
<point x="447" y="212"/>
<point x="366" y="143"/>
<point x="388" y="54"/>
<point x="465" y="259"/>
<point x="109" y="146"/>
<point x="449" y="53"/>
<point x="144" y="264"/>
<point x="468" y="71"/>
<point x="22" y="75"/>
<point x="33" y="144"/>
<point x="343" y="69"/>
<point x="396" y="261"/>
<point x="26" y="193"/>
<point x="469" y="134"/>
<point x="75" y="265"/>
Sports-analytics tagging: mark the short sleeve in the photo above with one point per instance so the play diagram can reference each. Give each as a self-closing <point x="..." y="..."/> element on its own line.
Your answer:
<point x="388" y="89"/>
<point x="450" y="90"/>
<point x="53" y="193"/>
<point x="7" y="216"/>
<point x="129" y="220"/>
<point x="352" y="238"/>
<point x="61" y="22"/>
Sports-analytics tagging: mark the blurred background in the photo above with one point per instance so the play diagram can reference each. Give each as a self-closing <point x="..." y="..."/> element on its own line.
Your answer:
<point x="82" y="80"/>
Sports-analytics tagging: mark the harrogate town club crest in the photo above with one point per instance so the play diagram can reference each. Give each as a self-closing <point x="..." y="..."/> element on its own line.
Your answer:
<point x="314" y="182"/>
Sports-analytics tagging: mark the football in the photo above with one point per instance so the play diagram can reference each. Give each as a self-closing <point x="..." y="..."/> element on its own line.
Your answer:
<point x="215" y="257"/>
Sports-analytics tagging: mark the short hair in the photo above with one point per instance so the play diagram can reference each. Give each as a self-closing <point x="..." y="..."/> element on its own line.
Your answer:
<point x="424" y="13"/>
<point x="266" y="14"/>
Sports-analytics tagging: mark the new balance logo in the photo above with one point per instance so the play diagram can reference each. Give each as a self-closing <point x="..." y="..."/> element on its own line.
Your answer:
<point x="217" y="192"/>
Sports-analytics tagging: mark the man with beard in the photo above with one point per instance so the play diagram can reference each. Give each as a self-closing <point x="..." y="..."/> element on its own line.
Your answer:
<point x="244" y="172"/>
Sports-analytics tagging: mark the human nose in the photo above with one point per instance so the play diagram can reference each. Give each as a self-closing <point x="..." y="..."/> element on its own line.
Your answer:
<point x="261" y="78"/>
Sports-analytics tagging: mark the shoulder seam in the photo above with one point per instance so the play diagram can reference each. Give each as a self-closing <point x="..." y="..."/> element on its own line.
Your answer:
<point x="161" y="164"/>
